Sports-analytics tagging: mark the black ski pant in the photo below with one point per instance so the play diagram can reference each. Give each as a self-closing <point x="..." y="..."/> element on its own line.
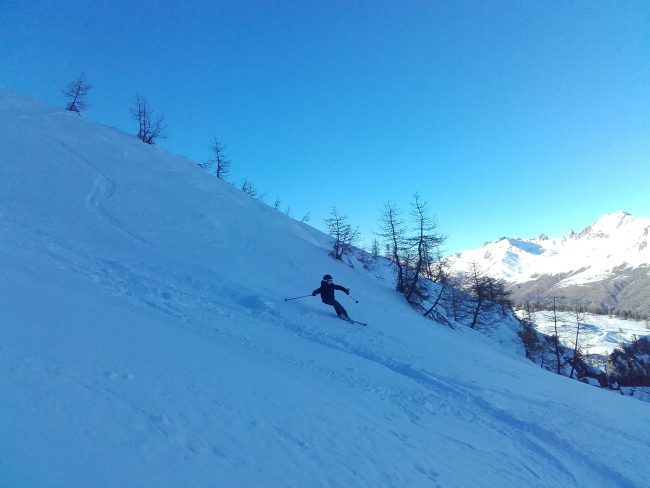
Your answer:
<point x="338" y="307"/>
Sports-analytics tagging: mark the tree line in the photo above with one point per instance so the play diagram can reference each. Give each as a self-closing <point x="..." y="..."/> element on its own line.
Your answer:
<point x="412" y="245"/>
<point x="624" y="314"/>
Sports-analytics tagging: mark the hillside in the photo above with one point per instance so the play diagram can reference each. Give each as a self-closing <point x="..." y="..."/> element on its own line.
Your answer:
<point x="147" y="343"/>
<point x="605" y="267"/>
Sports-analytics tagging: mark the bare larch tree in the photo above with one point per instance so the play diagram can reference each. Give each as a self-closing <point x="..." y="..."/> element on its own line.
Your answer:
<point x="392" y="232"/>
<point x="343" y="233"/>
<point x="219" y="162"/>
<point x="423" y="245"/>
<point x="75" y="94"/>
<point x="149" y="128"/>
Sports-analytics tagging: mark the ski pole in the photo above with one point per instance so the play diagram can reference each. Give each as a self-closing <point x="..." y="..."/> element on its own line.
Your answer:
<point x="296" y="298"/>
<point x="355" y="300"/>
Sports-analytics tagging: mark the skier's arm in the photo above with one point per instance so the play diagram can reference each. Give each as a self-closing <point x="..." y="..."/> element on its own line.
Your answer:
<point x="315" y="292"/>
<point x="342" y="288"/>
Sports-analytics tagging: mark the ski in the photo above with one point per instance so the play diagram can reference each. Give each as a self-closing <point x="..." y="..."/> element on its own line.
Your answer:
<point x="352" y="321"/>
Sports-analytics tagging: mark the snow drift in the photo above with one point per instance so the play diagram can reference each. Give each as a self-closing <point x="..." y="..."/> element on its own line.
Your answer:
<point x="146" y="342"/>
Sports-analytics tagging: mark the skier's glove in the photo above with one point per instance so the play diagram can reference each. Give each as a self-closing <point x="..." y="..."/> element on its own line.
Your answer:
<point x="313" y="293"/>
<point x="347" y="291"/>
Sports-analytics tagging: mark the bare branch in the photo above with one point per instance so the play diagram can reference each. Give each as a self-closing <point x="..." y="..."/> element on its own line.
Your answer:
<point x="149" y="129"/>
<point x="76" y="93"/>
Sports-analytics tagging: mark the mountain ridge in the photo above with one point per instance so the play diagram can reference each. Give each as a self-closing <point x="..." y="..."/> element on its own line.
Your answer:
<point x="605" y="265"/>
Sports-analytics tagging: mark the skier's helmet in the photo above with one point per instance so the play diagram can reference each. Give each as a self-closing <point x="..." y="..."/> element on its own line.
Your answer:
<point x="327" y="277"/>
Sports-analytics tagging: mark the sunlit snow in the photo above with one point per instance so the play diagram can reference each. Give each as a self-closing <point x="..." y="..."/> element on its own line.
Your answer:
<point x="146" y="343"/>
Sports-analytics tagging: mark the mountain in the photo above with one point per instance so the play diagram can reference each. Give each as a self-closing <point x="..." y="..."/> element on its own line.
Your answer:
<point x="146" y="342"/>
<point x="605" y="267"/>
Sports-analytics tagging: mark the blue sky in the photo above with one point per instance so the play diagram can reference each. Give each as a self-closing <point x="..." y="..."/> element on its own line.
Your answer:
<point x="511" y="118"/>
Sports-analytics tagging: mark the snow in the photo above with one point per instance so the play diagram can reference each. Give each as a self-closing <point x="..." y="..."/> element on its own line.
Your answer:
<point x="600" y="334"/>
<point x="616" y="240"/>
<point x="146" y="342"/>
<point x="640" y="392"/>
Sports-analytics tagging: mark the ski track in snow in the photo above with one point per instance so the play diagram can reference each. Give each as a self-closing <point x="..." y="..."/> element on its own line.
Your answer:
<point x="104" y="188"/>
<point x="531" y="437"/>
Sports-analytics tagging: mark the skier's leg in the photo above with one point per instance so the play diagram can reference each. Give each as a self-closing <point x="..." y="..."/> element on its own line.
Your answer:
<point x="340" y="311"/>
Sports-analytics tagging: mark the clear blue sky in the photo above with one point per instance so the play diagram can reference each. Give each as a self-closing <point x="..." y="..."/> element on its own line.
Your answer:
<point x="509" y="117"/>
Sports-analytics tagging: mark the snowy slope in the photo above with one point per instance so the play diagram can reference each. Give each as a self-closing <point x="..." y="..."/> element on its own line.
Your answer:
<point x="146" y="343"/>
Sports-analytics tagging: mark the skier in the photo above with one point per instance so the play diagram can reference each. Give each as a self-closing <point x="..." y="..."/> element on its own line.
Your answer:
<point x="326" y="291"/>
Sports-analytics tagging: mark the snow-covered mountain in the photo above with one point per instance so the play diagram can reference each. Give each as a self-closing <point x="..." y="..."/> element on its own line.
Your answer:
<point x="605" y="267"/>
<point x="146" y="343"/>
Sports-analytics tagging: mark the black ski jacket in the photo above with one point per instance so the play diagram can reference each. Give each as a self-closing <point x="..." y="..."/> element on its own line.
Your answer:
<point x="326" y="291"/>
